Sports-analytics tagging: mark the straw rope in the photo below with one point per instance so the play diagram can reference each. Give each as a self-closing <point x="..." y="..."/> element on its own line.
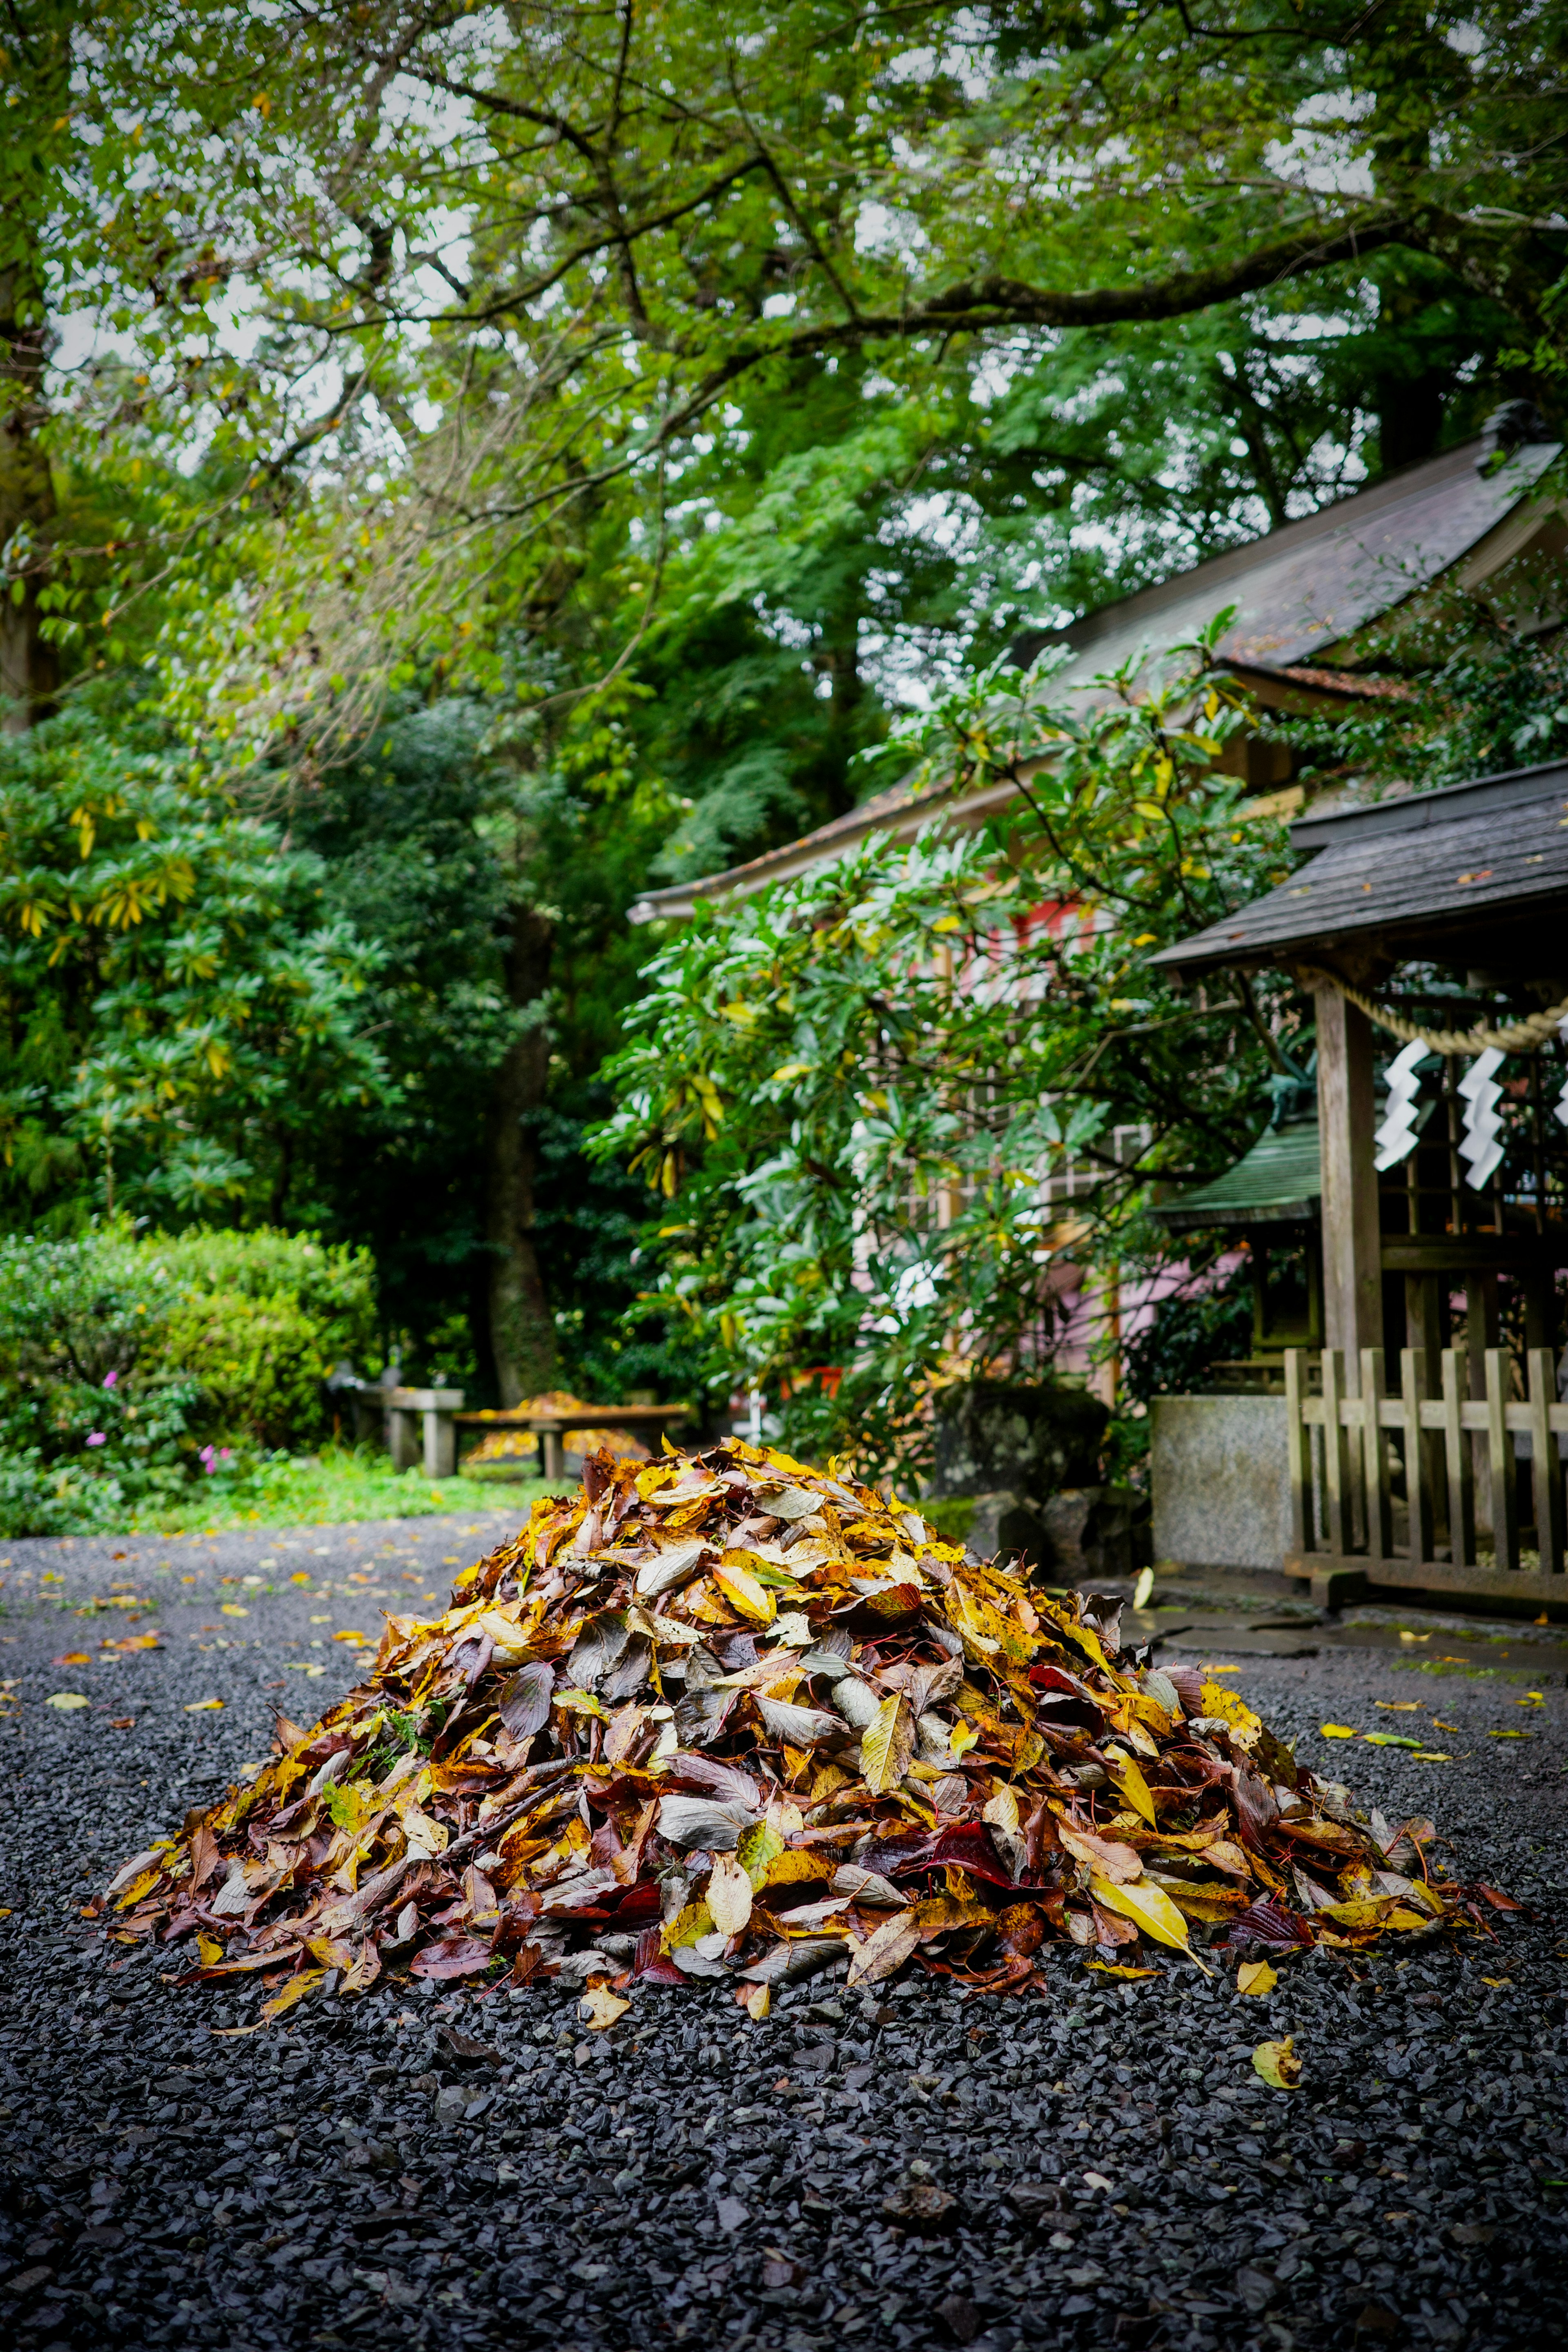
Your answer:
<point x="1526" y="1036"/>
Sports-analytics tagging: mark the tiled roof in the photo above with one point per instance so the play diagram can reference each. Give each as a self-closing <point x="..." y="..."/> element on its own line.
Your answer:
<point x="1428" y="875"/>
<point x="1300" y="592"/>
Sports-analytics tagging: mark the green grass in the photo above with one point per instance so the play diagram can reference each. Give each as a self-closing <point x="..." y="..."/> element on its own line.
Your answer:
<point x="337" y="1484"/>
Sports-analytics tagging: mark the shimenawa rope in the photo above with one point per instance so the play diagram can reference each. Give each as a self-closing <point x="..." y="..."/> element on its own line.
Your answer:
<point x="1525" y="1036"/>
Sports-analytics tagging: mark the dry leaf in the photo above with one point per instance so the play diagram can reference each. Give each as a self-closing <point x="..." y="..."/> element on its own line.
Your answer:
<point x="884" y="1951"/>
<point x="599" y="2007"/>
<point x="602" y="1756"/>
<point x="1256" y="1976"/>
<point x="729" y="1895"/>
<point x="1147" y="1905"/>
<point x="1277" y="2063"/>
<point x="297" y="1989"/>
<point x="887" y="1744"/>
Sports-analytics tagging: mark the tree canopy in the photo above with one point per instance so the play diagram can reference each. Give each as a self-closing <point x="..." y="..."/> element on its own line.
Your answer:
<point x="457" y="468"/>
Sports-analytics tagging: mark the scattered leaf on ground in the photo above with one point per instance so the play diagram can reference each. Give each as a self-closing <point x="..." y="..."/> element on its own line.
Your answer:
<point x="1256" y="1976"/>
<point x="1277" y="2063"/>
<point x="599" y="2007"/>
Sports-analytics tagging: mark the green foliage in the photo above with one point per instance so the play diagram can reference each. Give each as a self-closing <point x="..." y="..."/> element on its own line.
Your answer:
<point x="848" y="1091"/>
<point x="131" y="1365"/>
<point x="177" y="1009"/>
<point x="1465" y="695"/>
<point x="536" y="271"/>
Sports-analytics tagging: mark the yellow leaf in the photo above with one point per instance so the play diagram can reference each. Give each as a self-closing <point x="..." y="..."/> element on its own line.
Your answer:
<point x="139" y="1887"/>
<point x="297" y="1989"/>
<point x="757" y="2002"/>
<point x="1339" y="1731"/>
<point x="204" y="1705"/>
<point x="687" y="1927"/>
<point x="1360" y="1913"/>
<point x="210" y="1949"/>
<point x="791" y="1868"/>
<point x="576" y="1702"/>
<point x="1119" y="1968"/>
<point x="1130" y="1780"/>
<point x="962" y="1738"/>
<point x="349" y="1637"/>
<point x="66" y="1701"/>
<point x="757" y="1848"/>
<point x="1245" y="1726"/>
<point x="1147" y="1904"/>
<point x="332" y="1951"/>
<point x="599" y="2007"/>
<point x="233" y="1609"/>
<point x="1277" y="2063"/>
<point x="744" y="1594"/>
<point x="1256" y="1976"/>
<point x="887" y="1744"/>
<point x="729" y="1895"/>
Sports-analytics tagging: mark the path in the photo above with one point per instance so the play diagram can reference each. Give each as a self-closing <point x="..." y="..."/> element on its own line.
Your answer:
<point x="1119" y="2176"/>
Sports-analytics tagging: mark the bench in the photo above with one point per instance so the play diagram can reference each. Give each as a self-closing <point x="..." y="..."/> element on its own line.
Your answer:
<point x="638" y="1420"/>
<point x="398" y="1410"/>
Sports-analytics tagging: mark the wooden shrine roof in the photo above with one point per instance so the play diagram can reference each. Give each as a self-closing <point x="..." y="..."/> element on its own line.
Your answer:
<point x="1476" y="873"/>
<point x="1278" y="1182"/>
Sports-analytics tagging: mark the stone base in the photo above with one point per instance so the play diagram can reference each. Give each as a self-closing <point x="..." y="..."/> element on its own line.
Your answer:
<point x="1081" y="1536"/>
<point x="1219" y="1477"/>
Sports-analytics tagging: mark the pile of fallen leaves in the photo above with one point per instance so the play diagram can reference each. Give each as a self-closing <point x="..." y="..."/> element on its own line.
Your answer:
<point x="726" y="1717"/>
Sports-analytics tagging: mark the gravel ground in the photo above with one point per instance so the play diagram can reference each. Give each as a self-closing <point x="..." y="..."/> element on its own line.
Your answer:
<point x="1117" y="2175"/>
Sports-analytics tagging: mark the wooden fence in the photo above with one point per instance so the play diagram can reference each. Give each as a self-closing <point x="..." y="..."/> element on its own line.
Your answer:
<point x="1399" y="1487"/>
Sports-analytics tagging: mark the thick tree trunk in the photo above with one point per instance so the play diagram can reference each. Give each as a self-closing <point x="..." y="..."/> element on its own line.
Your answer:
<point x="522" y="1334"/>
<point x="28" y="671"/>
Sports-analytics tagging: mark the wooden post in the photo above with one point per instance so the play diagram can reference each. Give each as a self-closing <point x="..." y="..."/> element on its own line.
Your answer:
<point x="1336" y="1462"/>
<point x="1417" y="1455"/>
<point x="1500" y="1459"/>
<point x="1374" y="1457"/>
<point x="1456" y="1447"/>
<point x="1299" y="1453"/>
<point x="1483" y="1328"/>
<point x="1352" y="1278"/>
<point x="1545" y="1468"/>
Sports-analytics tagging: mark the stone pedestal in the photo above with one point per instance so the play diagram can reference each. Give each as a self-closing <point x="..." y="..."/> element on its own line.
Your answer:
<point x="1219" y="1478"/>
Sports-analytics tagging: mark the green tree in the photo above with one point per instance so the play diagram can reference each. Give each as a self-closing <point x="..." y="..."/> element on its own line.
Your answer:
<point x="176" y="1007"/>
<point x="850" y="1092"/>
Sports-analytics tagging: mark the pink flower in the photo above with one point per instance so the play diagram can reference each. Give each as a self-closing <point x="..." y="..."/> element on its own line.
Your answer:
<point x="110" y="1379"/>
<point x="98" y="1438"/>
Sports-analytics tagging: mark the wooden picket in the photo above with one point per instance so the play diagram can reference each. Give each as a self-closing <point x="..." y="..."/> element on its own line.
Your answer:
<point x="1418" y="1512"/>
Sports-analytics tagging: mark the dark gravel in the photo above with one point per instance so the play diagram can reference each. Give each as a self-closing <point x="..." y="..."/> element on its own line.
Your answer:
<point x="1112" y="2172"/>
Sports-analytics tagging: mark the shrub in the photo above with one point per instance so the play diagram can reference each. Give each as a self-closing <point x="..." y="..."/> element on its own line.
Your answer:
<point x="131" y="1364"/>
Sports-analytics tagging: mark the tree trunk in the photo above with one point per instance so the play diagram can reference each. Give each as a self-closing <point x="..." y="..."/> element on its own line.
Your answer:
<point x="28" y="671"/>
<point x="522" y="1334"/>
